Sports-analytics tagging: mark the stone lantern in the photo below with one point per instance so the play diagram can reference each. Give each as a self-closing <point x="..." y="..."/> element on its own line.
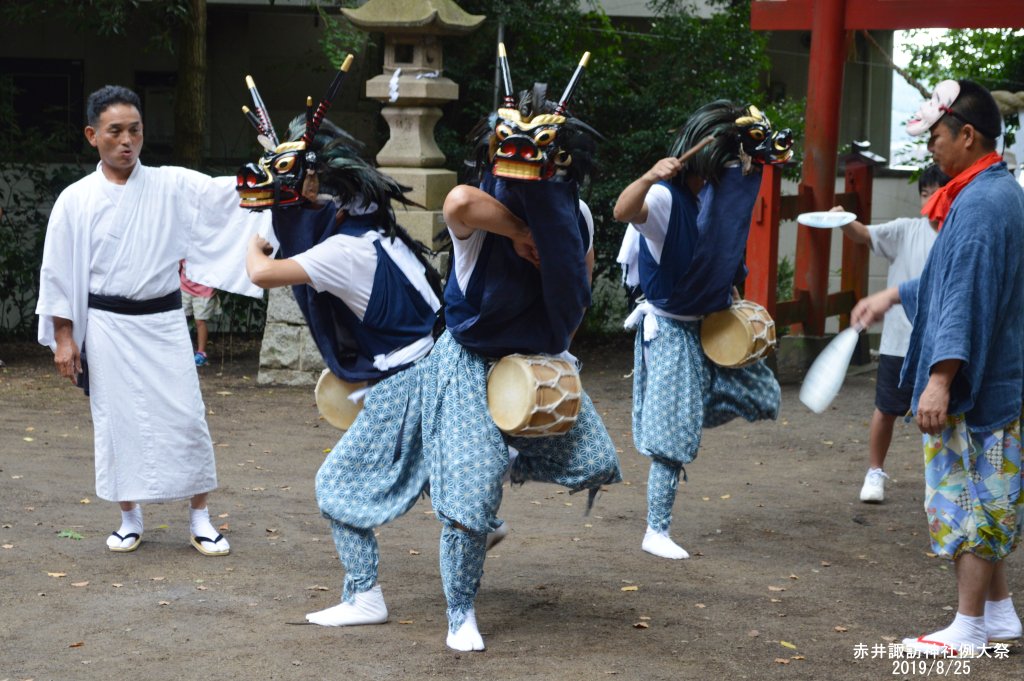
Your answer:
<point x="412" y="88"/>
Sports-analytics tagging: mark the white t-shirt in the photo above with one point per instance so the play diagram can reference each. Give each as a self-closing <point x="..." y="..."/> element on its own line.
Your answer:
<point x="905" y="243"/>
<point x="467" y="251"/>
<point x="344" y="266"/>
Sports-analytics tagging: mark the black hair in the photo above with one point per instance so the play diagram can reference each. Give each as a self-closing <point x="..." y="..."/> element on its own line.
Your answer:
<point x="975" y="105"/>
<point x="345" y="175"/>
<point x="716" y="118"/>
<point x="106" y="97"/>
<point x="932" y="176"/>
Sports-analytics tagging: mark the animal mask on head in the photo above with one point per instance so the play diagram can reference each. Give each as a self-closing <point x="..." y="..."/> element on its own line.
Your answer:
<point x="738" y="133"/>
<point x="537" y="140"/>
<point x="277" y="178"/>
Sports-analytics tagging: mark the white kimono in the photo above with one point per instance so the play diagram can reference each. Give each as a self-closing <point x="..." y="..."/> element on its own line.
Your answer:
<point x="151" y="438"/>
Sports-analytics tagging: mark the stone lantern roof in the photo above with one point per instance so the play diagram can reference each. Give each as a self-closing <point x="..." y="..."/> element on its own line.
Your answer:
<point x="439" y="17"/>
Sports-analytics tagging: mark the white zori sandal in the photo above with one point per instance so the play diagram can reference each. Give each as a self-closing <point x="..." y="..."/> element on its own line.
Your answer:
<point x="218" y="546"/>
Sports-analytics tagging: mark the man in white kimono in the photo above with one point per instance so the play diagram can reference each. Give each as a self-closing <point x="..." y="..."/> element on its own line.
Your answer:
<point x="110" y="309"/>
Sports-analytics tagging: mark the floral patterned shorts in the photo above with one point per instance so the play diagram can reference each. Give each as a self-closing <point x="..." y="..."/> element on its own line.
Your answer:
<point x="973" y="490"/>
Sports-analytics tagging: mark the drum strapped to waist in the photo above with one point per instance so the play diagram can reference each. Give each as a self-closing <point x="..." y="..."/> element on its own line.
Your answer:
<point x="739" y="335"/>
<point x="534" y="395"/>
<point x="332" y="399"/>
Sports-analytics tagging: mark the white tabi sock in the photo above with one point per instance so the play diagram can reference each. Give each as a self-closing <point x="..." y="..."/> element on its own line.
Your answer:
<point x="367" y="607"/>
<point x="661" y="545"/>
<point x="1001" y="621"/>
<point x="467" y="638"/>
<point x="131" y="523"/>
<point x="964" y="637"/>
<point x="200" y="526"/>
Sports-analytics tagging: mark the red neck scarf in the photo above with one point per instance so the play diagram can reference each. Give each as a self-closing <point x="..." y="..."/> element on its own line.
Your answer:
<point x="939" y="203"/>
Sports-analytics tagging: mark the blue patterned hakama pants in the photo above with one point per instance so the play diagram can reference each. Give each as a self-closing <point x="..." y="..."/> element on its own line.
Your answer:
<point x="677" y="392"/>
<point x="469" y="456"/>
<point x="374" y="474"/>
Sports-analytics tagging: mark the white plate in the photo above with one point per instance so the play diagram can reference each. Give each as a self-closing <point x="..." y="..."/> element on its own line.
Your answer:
<point x="826" y="219"/>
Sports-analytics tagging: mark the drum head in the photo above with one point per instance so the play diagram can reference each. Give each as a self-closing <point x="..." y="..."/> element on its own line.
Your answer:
<point x="726" y="337"/>
<point x="332" y="400"/>
<point x="511" y="392"/>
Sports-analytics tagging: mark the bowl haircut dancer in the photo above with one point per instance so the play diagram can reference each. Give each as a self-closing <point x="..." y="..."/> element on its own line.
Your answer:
<point x="693" y="217"/>
<point x="966" y="363"/>
<point x="371" y="301"/>
<point x="110" y="308"/>
<point x="520" y="283"/>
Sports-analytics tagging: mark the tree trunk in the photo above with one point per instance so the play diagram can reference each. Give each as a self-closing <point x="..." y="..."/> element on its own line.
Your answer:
<point x="190" y="90"/>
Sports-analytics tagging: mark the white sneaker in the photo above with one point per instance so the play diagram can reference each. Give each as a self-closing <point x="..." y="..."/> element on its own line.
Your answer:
<point x="873" y="490"/>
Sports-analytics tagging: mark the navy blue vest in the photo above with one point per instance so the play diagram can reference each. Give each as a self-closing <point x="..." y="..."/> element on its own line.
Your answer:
<point x="702" y="258"/>
<point x="511" y="306"/>
<point x="396" y="314"/>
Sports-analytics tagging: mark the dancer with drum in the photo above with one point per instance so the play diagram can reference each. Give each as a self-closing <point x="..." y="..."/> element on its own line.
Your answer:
<point x="693" y="216"/>
<point x="520" y="283"/>
<point x="371" y="301"/>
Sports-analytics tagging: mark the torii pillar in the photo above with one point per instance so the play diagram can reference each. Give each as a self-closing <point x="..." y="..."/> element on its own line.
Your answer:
<point x="829" y="21"/>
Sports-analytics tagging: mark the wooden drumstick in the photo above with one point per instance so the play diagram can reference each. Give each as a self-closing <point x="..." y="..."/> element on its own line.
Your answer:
<point x="691" y="152"/>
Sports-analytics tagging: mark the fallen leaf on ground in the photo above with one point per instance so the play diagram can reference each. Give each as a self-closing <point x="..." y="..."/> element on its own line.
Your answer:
<point x="630" y="588"/>
<point x="840" y="628"/>
<point x="825" y="563"/>
<point x="781" y="660"/>
<point x="202" y="588"/>
<point x="787" y="644"/>
<point x="793" y="577"/>
<point x="223" y="392"/>
<point x="753" y="633"/>
<point x="29" y="439"/>
<point x="223" y="515"/>
<point x="224" y="528"/>
<point x="86" y="500"/>
<point x="79" y="583"/>
<point x="797" y="657"/>
<point x="117" y="585"/>
<point x="317" y="587"/>
<point x="8" y="546"/>
<point x="77" y="644"/>
<point x="69" y="534"/>
<point x="57" y="575"/>
<point x="776" y="588"/>
<point x="725" y="496"/>
<point x="775" y="600"/>
<point x="164" y="603"/>
<point x="406" y="621"/>
<point x="157" y="579"/>
<point x="413" y="552"/>
<point x="641" y="625"/>
<point x="700" y="605"/>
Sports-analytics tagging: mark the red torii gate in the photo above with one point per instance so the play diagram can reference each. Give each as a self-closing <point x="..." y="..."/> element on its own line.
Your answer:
<point x="830" y="22"/>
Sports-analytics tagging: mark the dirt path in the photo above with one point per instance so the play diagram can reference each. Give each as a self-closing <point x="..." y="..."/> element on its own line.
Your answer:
<point x="790" y="572"/>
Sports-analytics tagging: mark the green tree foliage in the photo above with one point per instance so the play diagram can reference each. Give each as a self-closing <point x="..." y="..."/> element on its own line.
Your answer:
<point x="992" y="57"/>
<point x="642" y="81"/>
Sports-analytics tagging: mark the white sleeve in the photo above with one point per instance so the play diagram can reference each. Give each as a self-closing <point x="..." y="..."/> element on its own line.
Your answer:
<point x="343" y="266"/>
<point x="63" y="274"/>
<point x="220" y="234"/>
<point x="887" y="238"/>
<point x="659" y="210"/>
<point x="588" y="217"/>
<point x="465" y="253"/>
